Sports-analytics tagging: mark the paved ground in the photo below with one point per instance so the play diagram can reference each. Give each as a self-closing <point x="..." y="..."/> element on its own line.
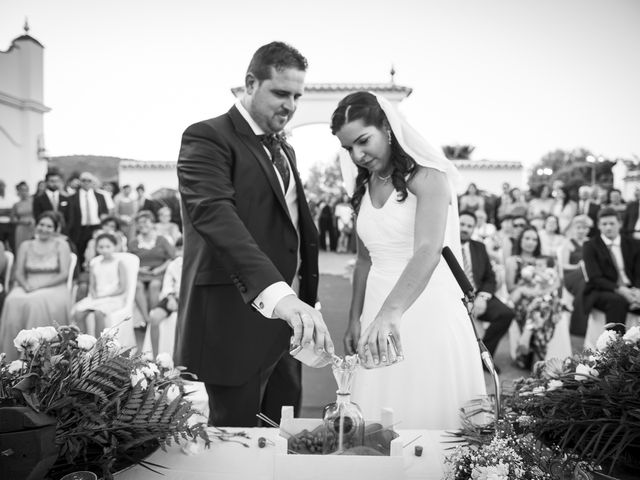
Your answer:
<point x="334" y="294"/>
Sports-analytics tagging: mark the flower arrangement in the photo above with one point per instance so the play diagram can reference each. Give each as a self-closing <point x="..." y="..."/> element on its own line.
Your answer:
<point x="107" y="401"/>
<point x="506" y="457"/>
<point x="588" y="404"/>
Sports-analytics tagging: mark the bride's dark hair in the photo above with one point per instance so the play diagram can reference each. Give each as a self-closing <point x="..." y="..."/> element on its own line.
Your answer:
<point x="364" y="106"/>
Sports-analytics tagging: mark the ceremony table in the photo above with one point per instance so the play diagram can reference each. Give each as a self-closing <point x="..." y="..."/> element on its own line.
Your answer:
<point x="232" y="461"/>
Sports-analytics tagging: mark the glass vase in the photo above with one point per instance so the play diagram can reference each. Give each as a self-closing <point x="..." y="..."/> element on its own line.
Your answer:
<point x="342" y="420"/>
<point x="343" y="425"/>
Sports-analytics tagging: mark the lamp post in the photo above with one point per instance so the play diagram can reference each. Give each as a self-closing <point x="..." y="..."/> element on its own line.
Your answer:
<point x="593" y="161"/>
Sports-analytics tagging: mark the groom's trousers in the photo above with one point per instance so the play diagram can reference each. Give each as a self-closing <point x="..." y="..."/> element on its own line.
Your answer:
<point x="265" y="392"/>
<point x="499" y="317"/>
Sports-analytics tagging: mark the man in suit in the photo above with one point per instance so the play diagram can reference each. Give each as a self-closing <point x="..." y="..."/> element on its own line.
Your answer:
<point x="612" y="265"/>
<point x="630" y="223"/>
<point x="586" y="206"/>
<point x="487" y="308"/>
<point x="250" y="268"/>
<point x="53" y="198"/>
<point x="86" y="209"/>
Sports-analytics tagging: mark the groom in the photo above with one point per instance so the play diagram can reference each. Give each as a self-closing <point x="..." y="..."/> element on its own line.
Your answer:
<point x="250" y="269"/>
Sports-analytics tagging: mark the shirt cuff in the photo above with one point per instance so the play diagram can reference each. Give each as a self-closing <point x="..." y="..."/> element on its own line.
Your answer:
<point x="267" y="300"/>
<point x="485" y="295"/>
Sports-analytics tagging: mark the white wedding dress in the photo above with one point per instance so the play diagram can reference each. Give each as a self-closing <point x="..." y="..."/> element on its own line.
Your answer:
<point x="441" y="370"/>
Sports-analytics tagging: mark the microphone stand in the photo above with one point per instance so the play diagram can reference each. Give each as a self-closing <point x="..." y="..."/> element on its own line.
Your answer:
<point x="467" y="301"/>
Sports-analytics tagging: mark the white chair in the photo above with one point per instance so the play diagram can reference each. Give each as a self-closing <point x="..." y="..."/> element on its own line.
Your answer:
<point x="8" y="270"/>
<point x="122" y="318"/>
<point x="559" y="345"/>
<point x="73" y="261"/>
<point x="167" y="335"/>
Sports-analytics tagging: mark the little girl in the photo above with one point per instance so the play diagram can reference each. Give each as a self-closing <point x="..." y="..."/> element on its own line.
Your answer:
<point x="107" y="285"/>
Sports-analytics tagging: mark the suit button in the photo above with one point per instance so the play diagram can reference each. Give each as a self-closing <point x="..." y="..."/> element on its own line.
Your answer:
<point x="292" y="250"/>
<point x="243" y="289"/>
<point x="261" y="305"/>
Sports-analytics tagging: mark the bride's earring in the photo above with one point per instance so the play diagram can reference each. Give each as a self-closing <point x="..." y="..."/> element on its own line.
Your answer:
<point x="389" y="136"/>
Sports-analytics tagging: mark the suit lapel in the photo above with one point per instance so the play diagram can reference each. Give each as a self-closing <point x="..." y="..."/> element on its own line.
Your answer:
<point x="254" y="145"/>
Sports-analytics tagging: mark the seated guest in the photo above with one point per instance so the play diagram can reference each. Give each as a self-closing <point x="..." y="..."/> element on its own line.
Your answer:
<point x="472" y="200"/>
<point x="155" y="253"/>
<point x="126" y="208"/>
<point x="169" y="297"/>
<point x="534" y="293"/>
<point x="107" y="285"/>
<point x="477" y="266"/>
<point x="3" y="274"/>
<point x="483" y="229"/>
<point x="107" y="225"/>
<point x="631" y="219"/>
<point x="40" y="296"/>
<point x="550" y="237"/>
<point x="571" y="254"/>
<point x="166" y="227"/>
<point x="612" y="265"/>
<point x="615" y="201"/>
<point x="564" y="207"/>
<point x="541" y="206"/>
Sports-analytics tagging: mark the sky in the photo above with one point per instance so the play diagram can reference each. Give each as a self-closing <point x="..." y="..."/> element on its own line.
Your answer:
<point x="516" y="79"/>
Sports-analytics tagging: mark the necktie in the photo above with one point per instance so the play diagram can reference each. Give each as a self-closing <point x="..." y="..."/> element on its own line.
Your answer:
<point x="468" y="268"/>
<point x="54" y="201"/>
<point x="615" y="264"/>
<point x="87" y="209"/>
<point x="274" y="144"/>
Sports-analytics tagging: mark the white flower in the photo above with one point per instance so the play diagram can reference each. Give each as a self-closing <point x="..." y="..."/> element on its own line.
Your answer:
<point x="605" y="339"/>
<point x="138" y="377"/>
<point x="632" y="335"/>
<point x="47" y="334"/>
<point x="150" y="370"/>
<point x="554" y="385"/>
<point x="16" y="366"/>
<point x="172" y="393"/>
<point x="538" y="390"/>
<point x="109" y="333"/>
<point x="582" y="370"/>
<point x="165" y="361"/>
<point x="86" y="342"/>
<point x="493" y="472"/>
<point x="27" y="340"/>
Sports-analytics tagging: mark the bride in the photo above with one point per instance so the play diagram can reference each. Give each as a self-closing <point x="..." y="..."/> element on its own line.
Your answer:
<point x="404" y="198"/>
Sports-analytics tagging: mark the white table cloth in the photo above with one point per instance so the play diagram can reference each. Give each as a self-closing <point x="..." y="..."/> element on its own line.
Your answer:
<point x="232" y="461"/>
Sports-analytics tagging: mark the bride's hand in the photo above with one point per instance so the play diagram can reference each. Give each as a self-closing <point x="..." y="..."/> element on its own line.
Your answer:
<point x="351" y="337"/>
<point x="373" y="344"/>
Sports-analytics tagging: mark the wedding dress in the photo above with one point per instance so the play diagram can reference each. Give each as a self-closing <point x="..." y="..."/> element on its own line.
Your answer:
<point x="442" y="369"/>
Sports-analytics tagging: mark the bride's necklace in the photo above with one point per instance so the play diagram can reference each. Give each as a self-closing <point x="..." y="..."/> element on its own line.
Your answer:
<point x="384" y="179"/>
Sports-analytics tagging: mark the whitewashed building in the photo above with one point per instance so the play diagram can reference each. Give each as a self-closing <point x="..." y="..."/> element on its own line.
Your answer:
<point x="22" y="147"/>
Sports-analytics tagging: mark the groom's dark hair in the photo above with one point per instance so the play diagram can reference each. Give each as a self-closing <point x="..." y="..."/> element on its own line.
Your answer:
<point x="278" y="55"/>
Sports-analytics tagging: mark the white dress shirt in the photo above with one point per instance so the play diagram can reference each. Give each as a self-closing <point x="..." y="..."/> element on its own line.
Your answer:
<point x="616" y="251"/>
<point x="54" y="198"/>
<point x="267" y="300"/>
<point x="89" y="211"/>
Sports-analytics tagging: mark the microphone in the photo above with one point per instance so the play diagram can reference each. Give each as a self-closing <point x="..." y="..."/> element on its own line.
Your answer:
<point x="458" y="272"/>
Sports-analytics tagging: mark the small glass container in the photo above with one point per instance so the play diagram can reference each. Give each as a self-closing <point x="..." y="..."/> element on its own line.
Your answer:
<point x="342" y="420"/>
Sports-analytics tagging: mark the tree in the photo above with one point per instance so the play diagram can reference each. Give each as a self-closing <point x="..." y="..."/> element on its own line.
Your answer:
<point x="458" y="152"/>
<point x="573" y="168"/>
<point x="325" y="180"/>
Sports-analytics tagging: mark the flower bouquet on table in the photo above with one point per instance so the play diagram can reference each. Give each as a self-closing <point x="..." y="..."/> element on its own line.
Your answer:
<point x="108" y="404"/>
<point x="587" y="405"/>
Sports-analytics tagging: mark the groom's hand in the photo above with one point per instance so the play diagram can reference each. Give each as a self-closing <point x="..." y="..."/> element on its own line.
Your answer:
<point x="306" y="322"/>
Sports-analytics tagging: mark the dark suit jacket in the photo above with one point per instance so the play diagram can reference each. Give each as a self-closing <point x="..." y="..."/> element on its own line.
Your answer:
<point x="601" y="271"/>
<point x="75" y="213"/>
<point x="630" y="217"/>
<point x="238" y="240"/>
<point x="483" y="275"/>
<point x="41" y="203"/>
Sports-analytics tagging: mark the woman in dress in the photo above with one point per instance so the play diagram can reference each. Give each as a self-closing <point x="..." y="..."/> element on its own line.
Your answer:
<point x="155" y="253"/>
<point x="107" y="285"/>
<point x="403" y="291"/>
<point x="166" y="227"/>
<point x="550" y="237"/>
<point x="471" y="200"/>
<point x="573" y="278"/>
<point x="564" y="207"/>
<point x="542" y="205"/>
<point x="535" y="300"/>
<point x="22" y="215"/>
<point x="615" y="201"/>
<point x="40" y="296"/>
<point x="125" y="209"/>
